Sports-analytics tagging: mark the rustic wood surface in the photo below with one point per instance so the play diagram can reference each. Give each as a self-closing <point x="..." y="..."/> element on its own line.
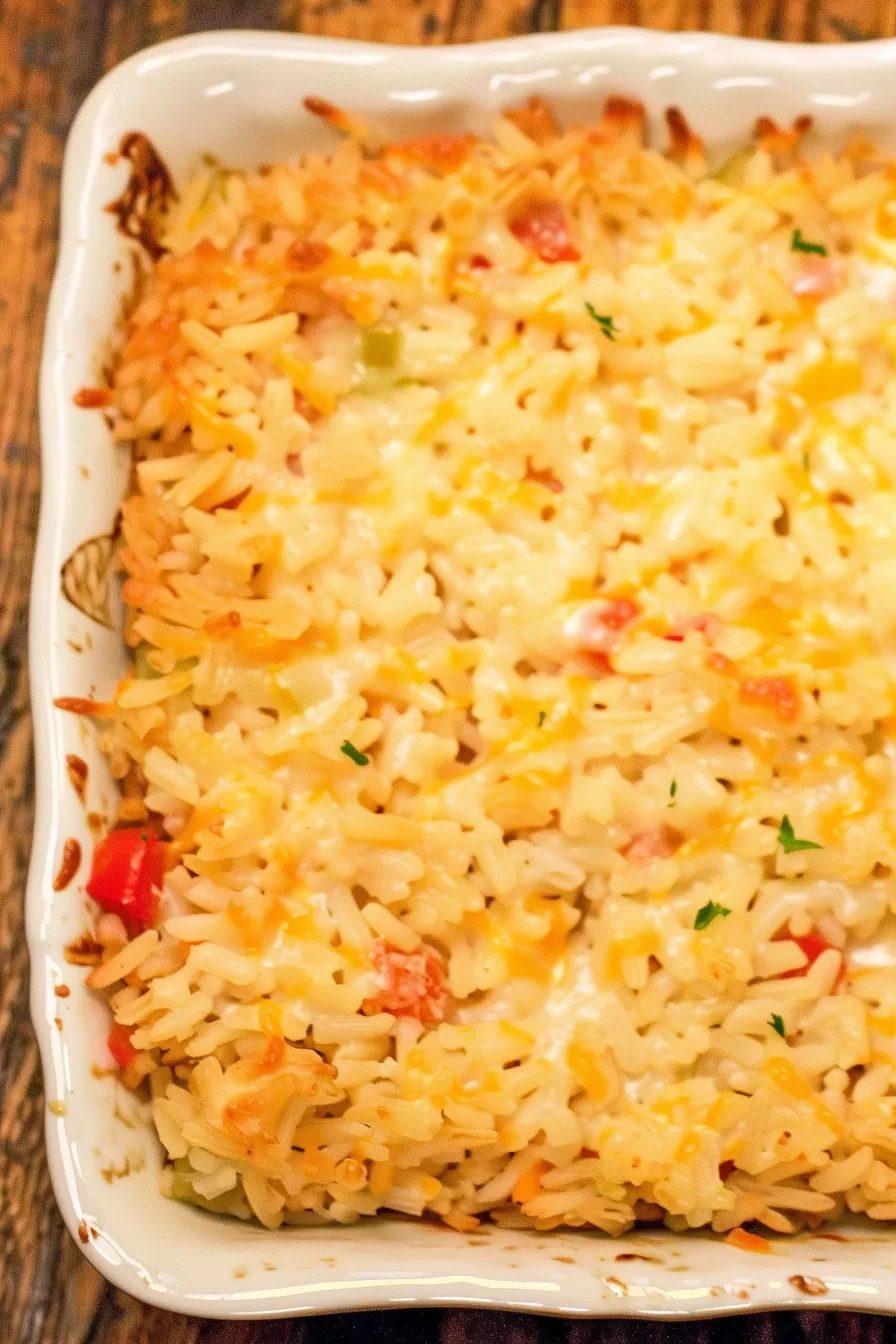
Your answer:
<point x="51" y="52"/>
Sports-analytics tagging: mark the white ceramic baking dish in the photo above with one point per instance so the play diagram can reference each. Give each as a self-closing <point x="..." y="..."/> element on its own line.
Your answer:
<point x="239" y="96"/>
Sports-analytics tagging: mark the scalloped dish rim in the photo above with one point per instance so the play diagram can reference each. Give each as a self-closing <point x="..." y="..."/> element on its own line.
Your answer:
<point x="245" y="88"/>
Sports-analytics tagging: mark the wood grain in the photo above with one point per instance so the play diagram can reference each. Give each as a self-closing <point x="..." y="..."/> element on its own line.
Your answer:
<point x="51" y="52"/>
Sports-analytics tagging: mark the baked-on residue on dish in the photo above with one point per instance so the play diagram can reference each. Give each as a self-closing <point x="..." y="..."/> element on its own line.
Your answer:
<point x="511" y="589"/>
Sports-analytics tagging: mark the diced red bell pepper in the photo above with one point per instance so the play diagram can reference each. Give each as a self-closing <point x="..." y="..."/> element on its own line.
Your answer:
<point x="594" y="664"/>
<point x="816" y="278"/>
<point x="707" y="623"/>
<point x="412" y="984"/>
<point x="779" y="694"/>
<point x="599" y="626"/>
<point x="721" y="663"/>
<point x="541" y="225"/>
<point x="617" y="614"/>
<point x="120" y="1047"/>
<point x="128" y="868"/>
<point x="599" y="623"/>
<point x="811" y="944"/>
<point x="659" y="843"/>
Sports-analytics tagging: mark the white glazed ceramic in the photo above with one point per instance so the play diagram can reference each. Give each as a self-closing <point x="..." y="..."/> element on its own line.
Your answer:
<point x="238" y="95"/>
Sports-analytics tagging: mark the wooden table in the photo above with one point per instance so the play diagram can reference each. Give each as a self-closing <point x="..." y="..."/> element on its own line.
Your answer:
<point x="51" y="52"/>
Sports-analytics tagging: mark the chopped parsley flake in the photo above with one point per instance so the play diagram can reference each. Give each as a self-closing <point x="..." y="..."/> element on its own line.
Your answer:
<point x="542" y="715"/>
<point x="673" y="789"/>
<point x="776" y="1022"/>
<point x="354" y="754"/>
<point x="799" y="244"/>
<point x="790" y="843"/>
<point x="707" y="913"/>
<point x="606" y="324"/>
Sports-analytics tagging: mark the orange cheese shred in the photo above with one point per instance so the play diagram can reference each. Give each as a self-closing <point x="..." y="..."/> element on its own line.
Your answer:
<point x="529" y="1184"/>
<point x="748" y="1241"/>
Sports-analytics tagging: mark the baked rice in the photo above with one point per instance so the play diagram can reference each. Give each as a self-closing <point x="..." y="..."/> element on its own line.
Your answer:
<point x="511" y="591"/>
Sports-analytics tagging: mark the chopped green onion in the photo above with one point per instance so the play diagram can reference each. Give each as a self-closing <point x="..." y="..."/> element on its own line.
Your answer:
<point x="673" y="789"/>
<point x="182" y="1180"/>
<point x="182" y="1188"/>
<point x="790" y="843"/>
<point x="354" y="754"/>
<point x="707" y="913"/>
<point x="606" y="324"/>
<point x="380" y="347"/>
<point x="144" y="668"/>
<point x="776" y="1022"/>
<point x="542" y="715"/>
<point x="799" y="244"/>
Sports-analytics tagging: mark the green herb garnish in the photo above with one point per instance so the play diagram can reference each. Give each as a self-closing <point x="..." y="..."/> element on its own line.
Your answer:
<point x="806" y="461"/>
<point x="673" y="789"/>
<point x="542" y="715"/>
<point x="776" y="1022"/>
<point x="790" y="843"/>
<point x="799" y="244"/>
<point x="354" y="754"/>
<point x="606" y="324"/>
<point x="707" y="913"/>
